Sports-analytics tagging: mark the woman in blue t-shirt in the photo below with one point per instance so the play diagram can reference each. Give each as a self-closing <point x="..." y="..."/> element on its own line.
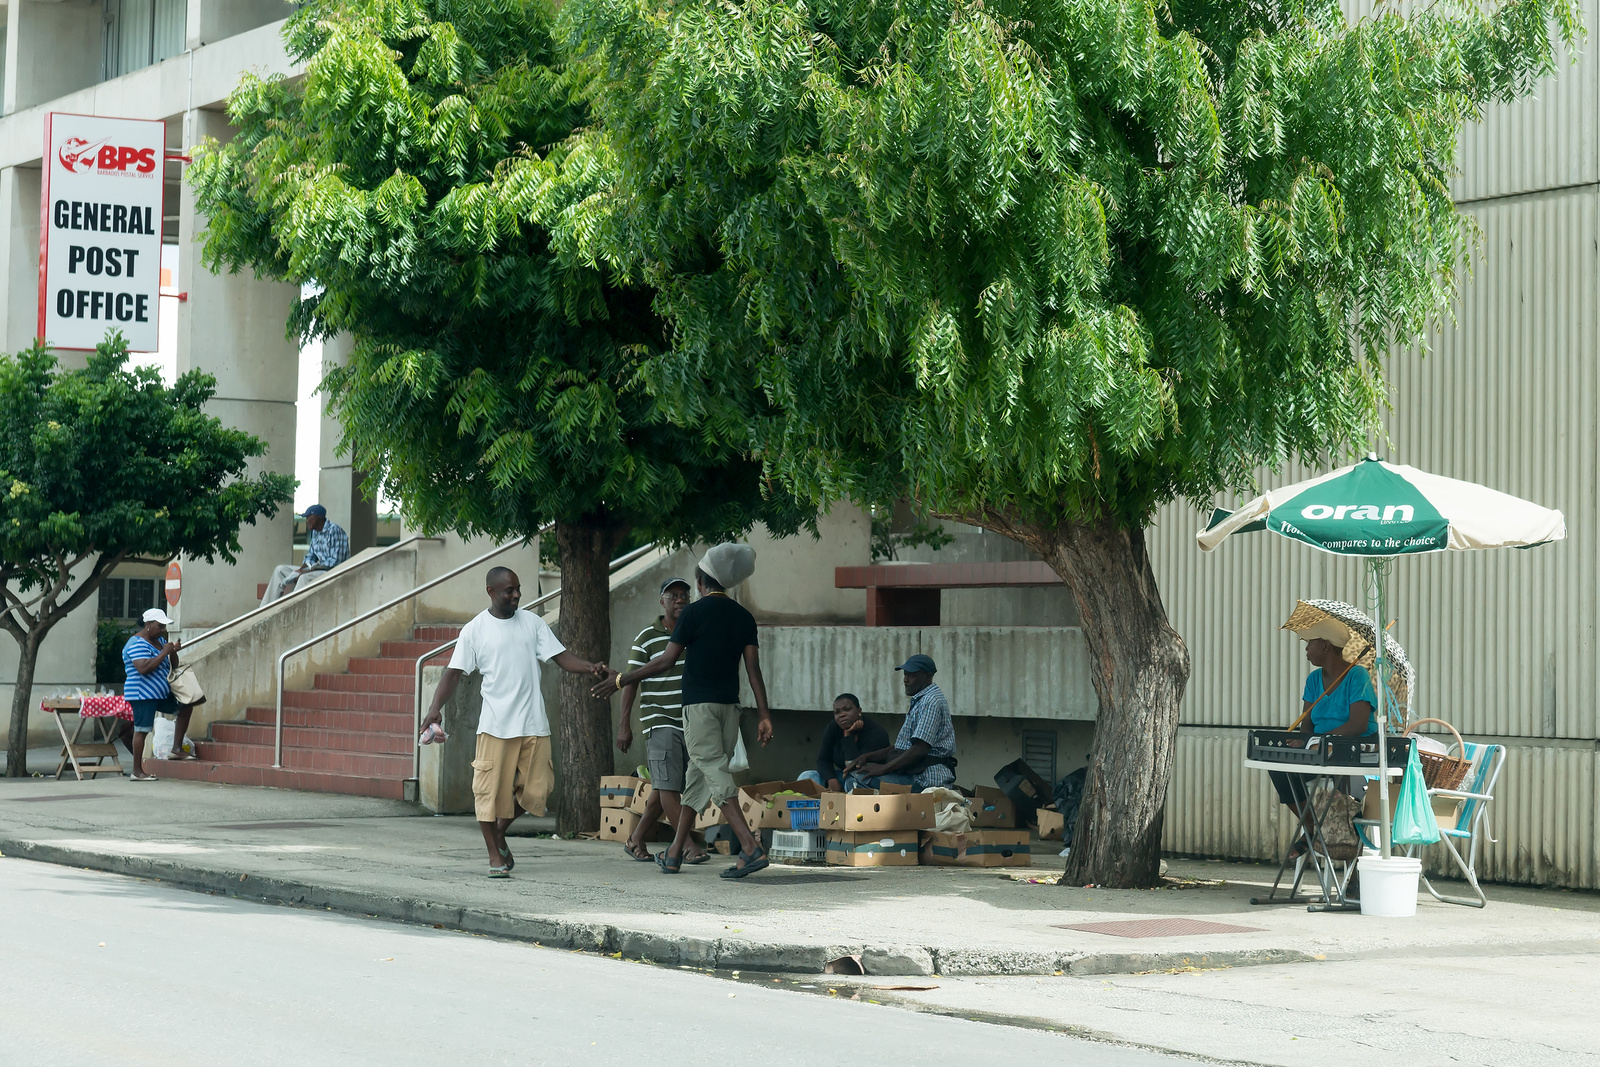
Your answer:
<point x="1338" y="699"/>
<point x="147" y="660"/>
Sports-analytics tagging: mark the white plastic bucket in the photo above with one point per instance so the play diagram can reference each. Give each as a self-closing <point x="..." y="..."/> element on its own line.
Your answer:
<point x="1389" y="886"/>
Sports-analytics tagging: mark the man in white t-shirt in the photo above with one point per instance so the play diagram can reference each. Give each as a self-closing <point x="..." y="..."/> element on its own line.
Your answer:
<point x="511" y="772"/>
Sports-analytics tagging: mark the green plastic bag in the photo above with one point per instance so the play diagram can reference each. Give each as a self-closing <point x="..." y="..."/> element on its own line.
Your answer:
<point x="1414" y="823"/>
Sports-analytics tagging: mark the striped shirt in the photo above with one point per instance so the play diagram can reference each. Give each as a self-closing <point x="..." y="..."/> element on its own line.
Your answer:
<point x="136" y="686"/>
<point x="660" y="702"/>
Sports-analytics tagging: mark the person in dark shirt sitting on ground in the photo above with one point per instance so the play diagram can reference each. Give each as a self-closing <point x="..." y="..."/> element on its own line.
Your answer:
<point x="849" y="735"/>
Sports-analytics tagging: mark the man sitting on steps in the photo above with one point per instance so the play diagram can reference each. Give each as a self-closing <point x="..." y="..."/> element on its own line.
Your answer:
<point x="327" y="546"/>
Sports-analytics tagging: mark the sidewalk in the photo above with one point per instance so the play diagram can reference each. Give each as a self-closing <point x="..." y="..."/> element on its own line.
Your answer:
<point x="383" y="859"/>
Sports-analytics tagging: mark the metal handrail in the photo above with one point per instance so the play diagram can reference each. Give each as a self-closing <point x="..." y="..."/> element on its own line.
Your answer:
<point x="277" y="730"/>
<point x="544" y="598"/>
<point x="353" y="565"/>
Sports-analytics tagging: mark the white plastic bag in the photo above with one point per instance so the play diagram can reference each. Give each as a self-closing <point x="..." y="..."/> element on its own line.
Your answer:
<point x="952" y="812"/>
<point x="161" y="738"/>
<point x="741" y="758"/>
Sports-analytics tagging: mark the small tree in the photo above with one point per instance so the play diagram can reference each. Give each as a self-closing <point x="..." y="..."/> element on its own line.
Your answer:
<point x="1044" y="265"/>
<point x="100" y="465"/>
<point x="422" y="174"/>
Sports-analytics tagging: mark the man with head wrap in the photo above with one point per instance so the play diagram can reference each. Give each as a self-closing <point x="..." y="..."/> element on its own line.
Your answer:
<point x="717" y="633"/>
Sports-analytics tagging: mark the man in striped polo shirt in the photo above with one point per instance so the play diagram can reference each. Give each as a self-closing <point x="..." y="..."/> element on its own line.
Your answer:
<point x="660" y="702"/>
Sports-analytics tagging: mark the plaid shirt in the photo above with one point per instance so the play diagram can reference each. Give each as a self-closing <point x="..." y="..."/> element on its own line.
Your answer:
<point x="326" y="548"/>
<point x="928" y="720"/>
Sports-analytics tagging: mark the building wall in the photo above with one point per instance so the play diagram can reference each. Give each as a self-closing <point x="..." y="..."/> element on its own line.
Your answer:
<point x="1503" y="641"/>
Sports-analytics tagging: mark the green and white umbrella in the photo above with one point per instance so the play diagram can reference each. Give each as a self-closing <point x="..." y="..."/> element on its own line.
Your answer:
<point x="1381" y="510"/>
<point x="1375" y="508"/>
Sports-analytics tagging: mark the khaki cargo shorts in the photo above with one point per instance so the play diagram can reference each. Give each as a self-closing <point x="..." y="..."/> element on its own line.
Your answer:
<point x="710" y="732"/>
<point x="507" y="769"/>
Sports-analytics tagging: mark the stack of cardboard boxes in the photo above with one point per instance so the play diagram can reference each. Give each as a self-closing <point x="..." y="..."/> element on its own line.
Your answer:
<point x="995" y="839"/>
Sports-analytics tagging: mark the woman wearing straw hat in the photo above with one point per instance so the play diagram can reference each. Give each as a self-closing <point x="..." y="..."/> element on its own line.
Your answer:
<point x="1338" y="699"/>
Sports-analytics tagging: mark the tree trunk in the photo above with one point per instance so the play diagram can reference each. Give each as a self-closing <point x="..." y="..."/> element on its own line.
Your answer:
<point x="21" y="703"/>
<point x="1139" y="666"/>
<point x="584" y="727"/>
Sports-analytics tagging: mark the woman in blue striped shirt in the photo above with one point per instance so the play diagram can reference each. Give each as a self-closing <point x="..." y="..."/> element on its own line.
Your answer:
<point x="147" y="661"/>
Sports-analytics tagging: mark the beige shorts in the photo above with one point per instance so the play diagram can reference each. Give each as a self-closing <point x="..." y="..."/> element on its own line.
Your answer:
<point x="507" y="768"/>
<point x="710" y="732"/>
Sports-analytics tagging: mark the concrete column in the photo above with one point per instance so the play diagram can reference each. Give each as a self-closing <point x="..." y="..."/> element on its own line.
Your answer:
<point x="338" y="482"/>
<point x="19" y="263"/>
<point x="233" y="327"/>
<point x="52" y="48"/>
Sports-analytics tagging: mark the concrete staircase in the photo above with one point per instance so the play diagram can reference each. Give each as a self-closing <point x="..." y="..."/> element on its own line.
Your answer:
<point x="349" y="733"/>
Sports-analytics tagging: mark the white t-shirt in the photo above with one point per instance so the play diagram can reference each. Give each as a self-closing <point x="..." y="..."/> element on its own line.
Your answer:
<point x="507" y="652"/>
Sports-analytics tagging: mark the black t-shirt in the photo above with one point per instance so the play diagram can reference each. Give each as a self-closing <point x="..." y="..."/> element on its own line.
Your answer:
<point x="715" y="631"/>
<point x="839" y="748"/>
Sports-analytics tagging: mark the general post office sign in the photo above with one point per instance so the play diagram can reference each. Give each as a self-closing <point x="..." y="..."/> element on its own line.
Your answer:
<point x="100" y="256"/>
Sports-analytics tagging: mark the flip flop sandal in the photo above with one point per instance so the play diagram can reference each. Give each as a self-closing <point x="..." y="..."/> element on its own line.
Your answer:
<point x="669" y="865"/>
<point x="505" y="854"/>
<point x="142" y="778"/>
<point x="757" y="862"/>
<point x="641" y="854"/>
<point x="704" y="857"/>
<point x="499" y="872"/>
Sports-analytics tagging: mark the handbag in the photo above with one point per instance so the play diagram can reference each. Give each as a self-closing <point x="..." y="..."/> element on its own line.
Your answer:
<point x="1335" y="813"/>
<point x="185" y="686"/>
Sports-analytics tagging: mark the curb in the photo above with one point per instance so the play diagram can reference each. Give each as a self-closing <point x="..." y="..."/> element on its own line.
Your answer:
<point x="669" y="949"/>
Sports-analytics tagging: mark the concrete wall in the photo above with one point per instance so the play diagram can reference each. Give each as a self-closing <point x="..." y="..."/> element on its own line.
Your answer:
<point x="65" y="665"/>
<point x="463" y="597"/>
<point x="793" y="582"/>
<point x="237" y="668"/>
<point x="213" y="20"/>
<point x="1036" y="606"/>
<point x="52" y="48"/>
<point x="1006" y="672"/>
<point x="444" y="772"/>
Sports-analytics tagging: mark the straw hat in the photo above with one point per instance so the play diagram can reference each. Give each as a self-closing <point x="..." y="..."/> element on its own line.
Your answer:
<point x="1351" y="631"/>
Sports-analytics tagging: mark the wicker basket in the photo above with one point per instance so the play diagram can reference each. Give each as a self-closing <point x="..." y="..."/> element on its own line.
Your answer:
<point x="1441" y="772"/>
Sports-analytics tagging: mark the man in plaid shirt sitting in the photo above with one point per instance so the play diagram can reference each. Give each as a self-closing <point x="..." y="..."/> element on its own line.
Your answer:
<point x="327" y="546"/>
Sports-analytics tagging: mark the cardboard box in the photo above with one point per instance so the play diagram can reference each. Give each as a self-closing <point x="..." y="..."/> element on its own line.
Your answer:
<point x="618" y="790"/>
<point x="617" y="824"/>
<point x="897" y="849"/>
<point x="870" y="811"/>
<point x="641" y="797"/>
<point x="1051" y="823"/>
<point x="1446" y="810"/>
<point x="992" y="809"/>
<point x="712" y="816"/>
<point x="764" y="813"/>
<point x="977" y="848"/>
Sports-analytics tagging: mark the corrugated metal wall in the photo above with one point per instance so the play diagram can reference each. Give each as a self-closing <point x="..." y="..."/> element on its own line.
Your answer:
<point x="1504" y="642"/>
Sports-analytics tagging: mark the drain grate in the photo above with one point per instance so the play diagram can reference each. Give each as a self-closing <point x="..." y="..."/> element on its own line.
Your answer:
<point x="1159" y="927"/>
<point x="268" y="825"/>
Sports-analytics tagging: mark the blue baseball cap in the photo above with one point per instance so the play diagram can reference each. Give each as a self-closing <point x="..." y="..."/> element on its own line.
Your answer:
<point x="919" y="663"/>
<point x="317" y="509"/>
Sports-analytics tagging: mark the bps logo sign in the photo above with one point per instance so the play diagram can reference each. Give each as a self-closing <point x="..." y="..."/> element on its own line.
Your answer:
<point x="78" y="156"/>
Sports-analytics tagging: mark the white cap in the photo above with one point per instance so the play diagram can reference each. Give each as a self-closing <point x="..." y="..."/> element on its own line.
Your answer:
<point x="157" y="615"/>
<point x="729" y="563"/>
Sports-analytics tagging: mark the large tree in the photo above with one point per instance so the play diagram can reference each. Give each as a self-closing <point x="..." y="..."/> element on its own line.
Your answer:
<point x="424" y="177"/>
<point x="1044" y="265"/>
<point x="101" y="465"/>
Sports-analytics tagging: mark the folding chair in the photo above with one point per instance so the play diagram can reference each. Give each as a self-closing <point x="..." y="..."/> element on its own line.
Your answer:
<point x="1476" y="795"/>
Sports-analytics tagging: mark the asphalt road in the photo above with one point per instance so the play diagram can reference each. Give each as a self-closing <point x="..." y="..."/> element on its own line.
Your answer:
<point x="99" y="968"/>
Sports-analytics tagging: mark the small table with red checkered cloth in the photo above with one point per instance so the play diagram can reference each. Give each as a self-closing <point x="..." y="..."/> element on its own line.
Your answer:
<point x="78" y="750"/>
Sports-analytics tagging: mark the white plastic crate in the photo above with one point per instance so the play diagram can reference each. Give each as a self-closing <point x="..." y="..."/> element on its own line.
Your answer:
<point x="799" y="845"/>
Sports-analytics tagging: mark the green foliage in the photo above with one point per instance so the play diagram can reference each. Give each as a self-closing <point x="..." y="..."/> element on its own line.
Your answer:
<point x="887" y="542"/>
<point x="109" y="637"/>
<point x="424" y="175"/>
<point x="1059" y="260"/>
<point x="105" y="463"/>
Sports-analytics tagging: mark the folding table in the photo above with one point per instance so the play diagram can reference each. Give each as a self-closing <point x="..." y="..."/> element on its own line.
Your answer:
<point x="98" y="746"/>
